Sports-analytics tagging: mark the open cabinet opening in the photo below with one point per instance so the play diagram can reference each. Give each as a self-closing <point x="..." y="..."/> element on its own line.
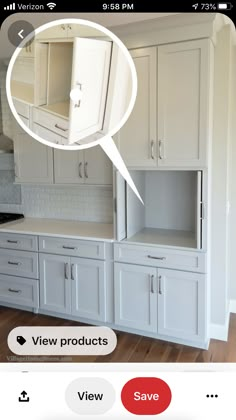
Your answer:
<point x="58" y="78"/>
<point x="172" y="210"/>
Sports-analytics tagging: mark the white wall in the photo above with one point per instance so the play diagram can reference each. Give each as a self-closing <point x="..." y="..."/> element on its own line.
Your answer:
<point x="232" y="219"/>
<point x="220" y="184"/>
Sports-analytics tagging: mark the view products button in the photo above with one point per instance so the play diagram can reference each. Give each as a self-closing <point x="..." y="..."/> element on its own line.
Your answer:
<point x="146" y="396"/>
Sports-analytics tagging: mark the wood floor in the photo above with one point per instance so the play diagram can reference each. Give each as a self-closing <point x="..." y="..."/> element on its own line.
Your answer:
<point x="130" y="347"/>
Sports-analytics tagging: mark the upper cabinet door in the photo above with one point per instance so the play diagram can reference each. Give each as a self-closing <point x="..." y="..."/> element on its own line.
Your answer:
<point x="97" y="166"/>
<point x="90" y="75"/>
<point x="137" y="139"/>
<point x="68" y="166"/>
<point x="183" y="103"/>
<point x="33" y="160"/>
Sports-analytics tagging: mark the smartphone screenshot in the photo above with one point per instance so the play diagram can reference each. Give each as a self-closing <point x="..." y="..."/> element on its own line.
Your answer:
<point x="117" y="210"/>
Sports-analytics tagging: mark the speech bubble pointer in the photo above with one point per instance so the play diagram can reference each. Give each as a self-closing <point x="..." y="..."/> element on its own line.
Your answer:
<point x="113" y="153"/>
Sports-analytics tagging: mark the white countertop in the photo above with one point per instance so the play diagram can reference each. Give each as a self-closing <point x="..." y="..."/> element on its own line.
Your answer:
<point x="61" y="228"/>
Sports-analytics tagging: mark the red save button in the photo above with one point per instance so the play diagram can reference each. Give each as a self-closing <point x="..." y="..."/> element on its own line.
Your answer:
<point x="146" y="396"/>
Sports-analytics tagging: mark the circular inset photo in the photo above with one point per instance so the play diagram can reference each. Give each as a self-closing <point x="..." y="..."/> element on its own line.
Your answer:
<point x="70" y="83"/>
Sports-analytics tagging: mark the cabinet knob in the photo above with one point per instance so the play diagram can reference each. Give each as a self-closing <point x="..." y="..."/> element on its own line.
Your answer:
<point x="76" y="95"/>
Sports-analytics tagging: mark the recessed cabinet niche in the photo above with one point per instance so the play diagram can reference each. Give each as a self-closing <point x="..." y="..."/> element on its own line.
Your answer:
<point x="173" y="210"/>
<point x="80" y="65"/>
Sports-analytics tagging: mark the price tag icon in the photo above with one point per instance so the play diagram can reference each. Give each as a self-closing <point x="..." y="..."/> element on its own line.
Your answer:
<point x="21" y="340"/>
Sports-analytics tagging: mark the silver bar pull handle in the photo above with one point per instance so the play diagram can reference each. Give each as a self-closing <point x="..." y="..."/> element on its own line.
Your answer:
<point x="156" y="258"/>
<point x="80" y="171"/>
<point x="159" y="289"/>
<point x="10" y="241"/>
<point x="61" y="128"/>
<point x="160" y="149"/>
<point x="16" y="170"/>
<point x="13" y="263"/>
<point x="86" y="169"/>
<point x="152" y="149"/>
<point x="14" y="290"/>
<point x="68" y="247"/>
<point x="66" y="271"/>
<point x="72" y="271"/>
<point x="202" y="210"/>
<point x="152" y="283"/>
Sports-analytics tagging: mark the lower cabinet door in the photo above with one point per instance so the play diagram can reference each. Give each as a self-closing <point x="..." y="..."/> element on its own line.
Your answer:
<point x="136" y="297"/>
<point x="181" y="304"/>
<point x="55" y="283"/>
<point x="88" y="288"/>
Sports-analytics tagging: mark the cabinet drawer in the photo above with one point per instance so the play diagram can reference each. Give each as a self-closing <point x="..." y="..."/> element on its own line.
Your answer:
<point x="21" y="108"/>
<point x="18" y="241"/>
<point x="46" y="134"/>
<point x="52" y="122"/>
<point x="19" y="291"/>
<point x="19" y="263"/>
<point x="160" y="257"/>
<point x="73" y="247"/>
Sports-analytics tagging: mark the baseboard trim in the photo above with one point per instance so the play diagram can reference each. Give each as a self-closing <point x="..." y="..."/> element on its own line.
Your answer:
<point x="220" y="331"/>
<point x="232" y="306"/>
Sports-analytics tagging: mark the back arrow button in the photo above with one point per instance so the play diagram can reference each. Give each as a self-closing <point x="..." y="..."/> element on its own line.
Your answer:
<point x="20" y="33"/>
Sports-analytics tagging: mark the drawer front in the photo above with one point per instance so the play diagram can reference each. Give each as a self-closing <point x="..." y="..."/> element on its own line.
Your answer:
<point x="25" y="120"/>
<point x="52" y="122"/>
<point x="18" y="241"/>
<point x="46" y="134"/>
<point x="19" y="263"/>
<point x="21" y="108"/>
<point x="19" y="291"/>
<point x="160" y="257"/>
<point x="72" y="247"/>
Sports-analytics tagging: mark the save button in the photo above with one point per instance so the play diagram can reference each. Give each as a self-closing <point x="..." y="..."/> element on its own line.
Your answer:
<point x="146" y="396"/>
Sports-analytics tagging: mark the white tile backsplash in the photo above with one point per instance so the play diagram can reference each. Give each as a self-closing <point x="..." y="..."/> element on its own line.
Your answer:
<point x="84" y="203"/>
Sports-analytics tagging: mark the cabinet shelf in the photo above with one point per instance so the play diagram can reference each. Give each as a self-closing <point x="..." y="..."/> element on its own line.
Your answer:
<point x="22" y="91"/>
<point x="60" y="108"/>
<point x="179" y="238"/>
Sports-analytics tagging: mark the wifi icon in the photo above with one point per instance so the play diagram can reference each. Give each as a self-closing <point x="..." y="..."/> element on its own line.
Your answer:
<point x="51" y="5"/>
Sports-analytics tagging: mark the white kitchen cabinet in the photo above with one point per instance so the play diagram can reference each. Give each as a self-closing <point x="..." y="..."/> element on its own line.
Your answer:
<point x="68" y="30"/>
<point x="88" y="288"/>
<point x="181" y="304"/>
<point x="57" y="31"/>
<point x="183" y="103"/>
<point x="19" y="291"/>
<point x="162" y="301"/>
<point x="135" y="297"/>
<point x="28" y="50"/>
<point x="89" y="166"/>
<point x="169" y="125"/>
<point x="137" y="138"/>
<point x="55" y="283"/>
<point x="19" y="273"/>
<point x="33" y="160"/>
<point x="73" y="29"/>
<point x="73" y="286"/>
<point x="81" y="86"/>
<point x="81" y="66"/>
